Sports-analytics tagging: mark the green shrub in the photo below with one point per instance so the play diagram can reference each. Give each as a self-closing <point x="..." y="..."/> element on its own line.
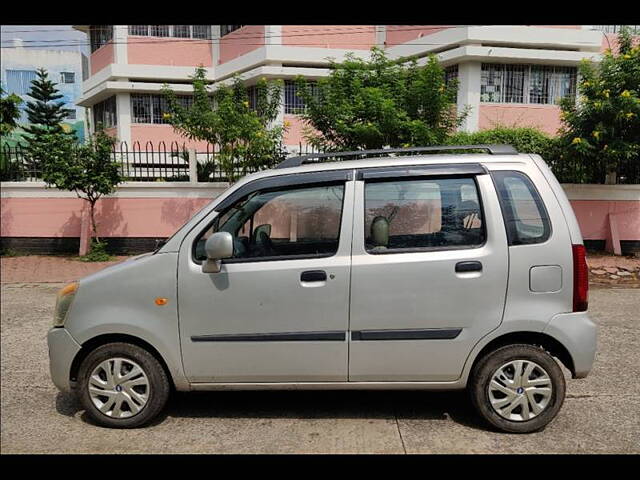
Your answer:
<point x="97" y="253"/>
<point x="523" y="139"/>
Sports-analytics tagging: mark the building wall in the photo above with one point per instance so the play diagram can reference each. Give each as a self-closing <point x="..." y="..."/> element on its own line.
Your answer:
<point x="177" y="52"/>
<point x="399" y="34"/>
<point x="102" y="57"/>
<point x="355" y="37"/>
<point x="544" y="117"/>
<point x="156" y="134"/>
<point x="295" y="126"/>
<point x="158" y="209"/>
<point x="116" y="217"/>
<point x="241" y="41"/>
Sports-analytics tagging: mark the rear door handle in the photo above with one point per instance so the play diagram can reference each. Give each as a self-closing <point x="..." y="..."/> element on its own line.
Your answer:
<point x="468" y="267"/>
<point x="313" y="276"/>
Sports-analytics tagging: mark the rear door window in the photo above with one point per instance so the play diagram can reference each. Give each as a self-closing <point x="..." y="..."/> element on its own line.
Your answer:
<point x="525" y="216"/>
<point x="416" y="214"/>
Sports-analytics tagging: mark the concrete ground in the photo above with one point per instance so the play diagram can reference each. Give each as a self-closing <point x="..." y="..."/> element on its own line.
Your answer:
<point x="600" y="414"/>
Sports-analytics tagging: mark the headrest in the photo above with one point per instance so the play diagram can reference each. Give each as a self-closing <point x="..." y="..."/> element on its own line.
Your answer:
<point x="380" y="232"/>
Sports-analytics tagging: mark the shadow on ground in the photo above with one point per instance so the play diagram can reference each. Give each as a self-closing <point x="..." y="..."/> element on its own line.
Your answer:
<point x="405" y="405"/>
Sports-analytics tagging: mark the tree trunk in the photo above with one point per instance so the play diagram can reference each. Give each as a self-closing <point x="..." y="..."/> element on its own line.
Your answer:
<point x="94" y="227"/>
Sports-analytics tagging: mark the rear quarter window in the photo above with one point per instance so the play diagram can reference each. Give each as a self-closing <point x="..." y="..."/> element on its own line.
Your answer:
<point x="524" y="213"/>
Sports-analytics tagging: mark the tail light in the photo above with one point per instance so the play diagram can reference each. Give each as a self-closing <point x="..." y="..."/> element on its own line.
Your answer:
<point x="580" y="279"/>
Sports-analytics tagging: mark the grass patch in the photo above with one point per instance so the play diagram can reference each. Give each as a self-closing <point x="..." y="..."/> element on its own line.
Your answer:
<point x="97" y="253"/>
<point x="12" y="252"/>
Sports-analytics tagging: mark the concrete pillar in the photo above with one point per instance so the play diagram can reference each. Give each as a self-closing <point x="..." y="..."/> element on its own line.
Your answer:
<point x="123" y="111"/>
<point x="215" y="47"/>
<point x="273" y="35"/>
<point x="469" y="93"/>
<point x="193" y="166"/>
<point x="120" y="36"/>
<point x="381" y="35"/>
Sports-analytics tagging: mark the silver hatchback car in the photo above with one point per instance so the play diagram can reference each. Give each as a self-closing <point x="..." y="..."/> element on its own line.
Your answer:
<point x="398" y="270"/>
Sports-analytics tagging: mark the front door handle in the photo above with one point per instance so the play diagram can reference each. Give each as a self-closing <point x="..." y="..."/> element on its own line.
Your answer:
<point x="313" y="276"/>
<point x="468" y="267"/>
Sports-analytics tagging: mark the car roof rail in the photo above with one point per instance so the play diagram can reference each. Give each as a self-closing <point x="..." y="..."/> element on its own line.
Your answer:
<point x="363" y="154"/>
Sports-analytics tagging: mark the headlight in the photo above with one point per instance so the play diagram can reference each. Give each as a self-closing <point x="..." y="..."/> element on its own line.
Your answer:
<point x="63" y="302"/>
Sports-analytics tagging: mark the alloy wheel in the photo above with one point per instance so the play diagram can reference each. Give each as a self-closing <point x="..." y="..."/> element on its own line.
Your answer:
<point x="520" y="390"/>
<point x="119" y="388"/>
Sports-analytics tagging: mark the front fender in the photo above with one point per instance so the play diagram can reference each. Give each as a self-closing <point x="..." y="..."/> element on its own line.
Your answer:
<point x="121" y="300"/>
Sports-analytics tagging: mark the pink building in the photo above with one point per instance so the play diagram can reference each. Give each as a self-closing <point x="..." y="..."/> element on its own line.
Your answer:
<point x="508" y="75"/>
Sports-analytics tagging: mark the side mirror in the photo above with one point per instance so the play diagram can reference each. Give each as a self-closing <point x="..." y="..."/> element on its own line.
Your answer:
<point x="218" y="246"/>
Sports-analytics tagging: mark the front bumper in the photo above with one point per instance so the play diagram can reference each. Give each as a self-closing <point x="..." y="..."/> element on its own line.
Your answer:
<point x="62" y="350"/>
<point x="578" y="334"/>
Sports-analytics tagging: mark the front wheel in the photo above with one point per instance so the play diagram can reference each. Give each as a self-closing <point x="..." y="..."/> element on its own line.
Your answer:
<point x="517" y="388"/>
<point x="122" y="386"/>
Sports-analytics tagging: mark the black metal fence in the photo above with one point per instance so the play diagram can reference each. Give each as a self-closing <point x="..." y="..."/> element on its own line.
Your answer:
<point x="138" y="163"/>
<point x="159" y="162"/>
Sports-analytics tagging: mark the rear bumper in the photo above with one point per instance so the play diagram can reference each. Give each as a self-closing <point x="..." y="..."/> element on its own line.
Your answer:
<point x="62" y="350"/>
<point x="578" y="334"/>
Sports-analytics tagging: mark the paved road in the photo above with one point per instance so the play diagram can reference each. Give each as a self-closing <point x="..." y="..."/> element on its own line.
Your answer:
<point x="600" y="414"/>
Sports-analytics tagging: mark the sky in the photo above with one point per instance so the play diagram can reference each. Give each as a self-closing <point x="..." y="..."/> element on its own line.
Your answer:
<point x="54" y="37"/>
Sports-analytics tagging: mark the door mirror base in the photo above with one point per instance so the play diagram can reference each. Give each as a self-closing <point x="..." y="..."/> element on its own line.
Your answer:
<point x="218" y="246"/>
<point x="211" y="266"/>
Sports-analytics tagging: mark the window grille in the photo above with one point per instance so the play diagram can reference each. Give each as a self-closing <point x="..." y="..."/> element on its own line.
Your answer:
<point x="19" y="81"/>
<point x="293" y="102"/>
<point x="67" y="77"/>
<point x="159" y="30"/>
<point x="450" y="73"/>
<point x="159" y="108"/>
<point x="252" y="93"/>
<point x="139" y="30"/>
<point x="100" y="35"/>
<point x="176" y="31"/>
<point x="616" y="28"/>
<point x="148" y="108"/>
<point x="71" y="114"/>
<point x="181" y="31"/>
<point x="491" y="83"/>
<point x="184" y="101"/>
<point x="226" y="29"/>
<point x="141" y="108"/>
<point x="529" y="84"/>
<point x="202" y="31"/>
<point x="104" y="113"/>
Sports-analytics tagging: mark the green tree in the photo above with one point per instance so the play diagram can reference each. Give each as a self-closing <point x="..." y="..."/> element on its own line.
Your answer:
<point x="246" y="137"/>
<point x="602" y="129"/>
<point x="45" y="114"/>
<point x="371" y="104"/>
<point x="9" y="112"/>
<point x="85" y="169"/>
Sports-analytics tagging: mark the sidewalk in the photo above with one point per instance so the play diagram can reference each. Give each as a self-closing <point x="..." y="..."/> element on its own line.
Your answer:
<point x="41" y="268"/>
<point x="604" y="269"/>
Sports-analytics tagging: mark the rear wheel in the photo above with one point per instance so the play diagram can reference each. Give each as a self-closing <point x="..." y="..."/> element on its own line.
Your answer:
<point x="122" y="386"/>
<point x="517" y="388"/>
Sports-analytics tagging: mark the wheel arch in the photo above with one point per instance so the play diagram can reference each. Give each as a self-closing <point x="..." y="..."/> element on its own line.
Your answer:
<point x="95" y="342"/>
<point x="543" y="340"/>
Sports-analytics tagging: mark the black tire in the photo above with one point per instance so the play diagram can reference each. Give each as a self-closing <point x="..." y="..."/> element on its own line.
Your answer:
<point x="159" y="386"/>
<point x="487" y="366"/>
